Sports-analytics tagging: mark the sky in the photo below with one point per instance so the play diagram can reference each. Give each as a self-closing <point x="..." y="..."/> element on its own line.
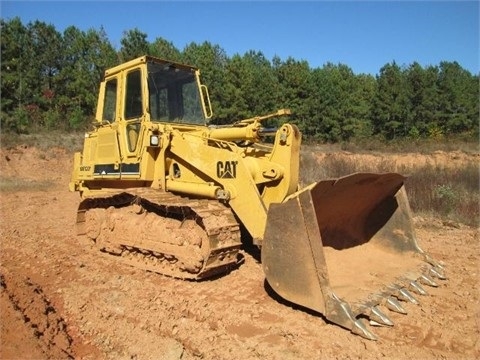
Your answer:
<point x="364" y="35"/>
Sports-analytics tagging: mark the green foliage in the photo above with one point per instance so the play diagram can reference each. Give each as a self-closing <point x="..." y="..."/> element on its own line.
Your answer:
<point x="391" y="112"/>
<point x="165" y="49"/>
<point x="52" y="119"/>
<point x="17" y="122"/>
<point x="295" y="88"/>
<point x="50" y="80"/>
<point x="446" y="196"/>
<point x="134" y="44"/>
<point x="414" y="133"/>
<point x="76" y="119"/>
<point x="422" y="92"/>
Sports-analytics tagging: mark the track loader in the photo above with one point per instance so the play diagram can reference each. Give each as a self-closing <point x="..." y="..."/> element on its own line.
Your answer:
<point x="164" y="191"/>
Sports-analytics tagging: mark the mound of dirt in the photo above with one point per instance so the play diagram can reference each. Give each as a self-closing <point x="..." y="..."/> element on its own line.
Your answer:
<point x="60" y="298"/>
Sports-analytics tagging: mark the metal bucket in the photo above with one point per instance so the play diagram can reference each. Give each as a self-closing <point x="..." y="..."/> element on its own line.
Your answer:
<point x="346" y="248"/>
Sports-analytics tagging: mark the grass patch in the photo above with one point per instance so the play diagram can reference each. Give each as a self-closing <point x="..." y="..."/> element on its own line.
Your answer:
<point x="448" y="193"/>
<point x="452" y="194"/>
<point x="72" y="141"/>
<point x="423" y="146"/>
<point x="13" y="185"/>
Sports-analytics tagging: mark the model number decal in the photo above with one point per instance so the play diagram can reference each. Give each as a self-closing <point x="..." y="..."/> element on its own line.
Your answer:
<point x="85" y="168"/>
<point x="227" y="169"/>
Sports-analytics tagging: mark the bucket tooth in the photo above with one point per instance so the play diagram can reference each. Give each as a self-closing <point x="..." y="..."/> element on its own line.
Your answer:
<point x="405" y="295"/>
<point x="427" y="280"/>
<point x="379" y="317"/>
<point x="438" y="273"/>
<point x="359" y="328"/>
<point x="438" y="264"/>
<point x="417" y="288"/>
<point x="393" y="305"/>
<point x="339" y="312"/>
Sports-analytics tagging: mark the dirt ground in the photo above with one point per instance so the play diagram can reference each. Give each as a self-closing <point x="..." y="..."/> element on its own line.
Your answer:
<point x="61" y="299"/>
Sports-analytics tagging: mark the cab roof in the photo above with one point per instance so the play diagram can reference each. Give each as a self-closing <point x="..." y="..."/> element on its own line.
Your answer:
<point x="146" y="59"/>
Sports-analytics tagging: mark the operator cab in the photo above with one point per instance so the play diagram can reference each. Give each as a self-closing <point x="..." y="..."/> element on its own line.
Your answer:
<point x="153" y="89"/>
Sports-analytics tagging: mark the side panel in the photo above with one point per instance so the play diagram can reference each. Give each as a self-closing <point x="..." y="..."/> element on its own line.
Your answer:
<point x="228" y="169"/>
<point x="106" y="149"/>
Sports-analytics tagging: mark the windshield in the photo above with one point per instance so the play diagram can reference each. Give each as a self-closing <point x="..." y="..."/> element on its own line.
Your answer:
<point x="173" y="95"/>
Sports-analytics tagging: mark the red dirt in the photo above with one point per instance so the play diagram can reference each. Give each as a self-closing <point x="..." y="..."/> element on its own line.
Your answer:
<point x="61" y="299"/>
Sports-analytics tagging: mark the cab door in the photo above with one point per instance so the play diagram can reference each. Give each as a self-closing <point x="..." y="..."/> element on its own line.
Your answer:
<point x="105" y="149"/>
<point x="118" y="149"/>
<point x="120" y="136"/>
<point x="131" y="134"/>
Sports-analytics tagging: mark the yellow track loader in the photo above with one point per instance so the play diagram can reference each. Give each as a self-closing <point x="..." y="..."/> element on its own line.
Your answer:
<point x="163" y="190"/>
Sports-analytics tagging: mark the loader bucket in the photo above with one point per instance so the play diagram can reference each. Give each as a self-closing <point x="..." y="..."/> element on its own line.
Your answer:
<point x="346" y="248"/>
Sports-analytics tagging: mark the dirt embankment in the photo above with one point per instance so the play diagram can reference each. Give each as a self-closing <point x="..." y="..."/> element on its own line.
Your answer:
<point x="61" y="299"/>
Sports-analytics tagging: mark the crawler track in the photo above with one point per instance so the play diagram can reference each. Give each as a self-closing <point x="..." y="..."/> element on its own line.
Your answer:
<point x="162" y="232"/>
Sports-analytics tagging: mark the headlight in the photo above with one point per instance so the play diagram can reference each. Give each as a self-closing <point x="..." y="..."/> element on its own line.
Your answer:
<point x="154" y="140"/>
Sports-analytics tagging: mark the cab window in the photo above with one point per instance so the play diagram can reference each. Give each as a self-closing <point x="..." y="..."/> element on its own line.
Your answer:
<point x="174" y="95"/>
<point x="110" y="101"/>
<point x="133" y="95"/>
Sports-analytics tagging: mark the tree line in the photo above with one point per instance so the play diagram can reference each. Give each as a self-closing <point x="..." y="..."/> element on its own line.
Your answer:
<point x="50" y="80"/>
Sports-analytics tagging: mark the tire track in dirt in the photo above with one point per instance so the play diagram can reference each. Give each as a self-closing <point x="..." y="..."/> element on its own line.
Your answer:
<point x="38" y="314"/>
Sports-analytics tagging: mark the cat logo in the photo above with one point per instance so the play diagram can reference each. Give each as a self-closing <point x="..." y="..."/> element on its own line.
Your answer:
<point x="227" y="169"/>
